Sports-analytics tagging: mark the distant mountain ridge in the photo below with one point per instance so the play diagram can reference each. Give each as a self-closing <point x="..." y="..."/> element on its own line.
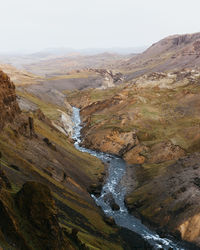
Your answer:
<point x="20" y="59"/>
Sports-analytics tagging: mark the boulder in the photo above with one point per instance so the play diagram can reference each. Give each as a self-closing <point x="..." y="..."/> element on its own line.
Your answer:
<point x="109" y="220"/>
<point x="95" y="189"/>
<point x="108" y="198"/>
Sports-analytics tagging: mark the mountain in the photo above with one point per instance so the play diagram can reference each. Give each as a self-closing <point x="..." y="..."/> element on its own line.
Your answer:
<point x="20" y="60"/>
<point x="90" y="51"/>
<point x="172" y="53"/>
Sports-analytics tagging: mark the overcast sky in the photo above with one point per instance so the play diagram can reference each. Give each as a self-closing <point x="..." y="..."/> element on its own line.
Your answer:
<point x="37" y="24"/>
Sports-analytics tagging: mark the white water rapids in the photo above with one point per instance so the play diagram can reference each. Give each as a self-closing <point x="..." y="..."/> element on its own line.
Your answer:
<point x="117" y="168"/>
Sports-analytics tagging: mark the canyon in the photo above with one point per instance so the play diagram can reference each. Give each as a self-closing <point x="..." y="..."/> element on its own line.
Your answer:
<point x="143" y="109"/>
<point x="44" y="180"/>
<point x="153" y="125"/>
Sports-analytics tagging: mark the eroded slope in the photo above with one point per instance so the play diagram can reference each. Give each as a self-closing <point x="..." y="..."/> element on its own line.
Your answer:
<point x="32" y="149"/>
<point x="153" y="124"/>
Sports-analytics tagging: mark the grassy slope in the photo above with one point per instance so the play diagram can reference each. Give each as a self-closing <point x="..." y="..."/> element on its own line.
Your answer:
<point x="158" y="115"/>
<point x="78" y="209"/>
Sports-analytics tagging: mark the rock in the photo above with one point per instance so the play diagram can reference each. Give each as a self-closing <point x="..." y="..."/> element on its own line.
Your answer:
<point x="197" y="182"/>
<point x="177" y="209"/>
<point x="36" y="204"/>
<point x="40" y="115"/>
<point x="65" y="123"/>
<point x="109" y="220"/>
<point x="74" y="234"/>
<point x="134" y="156"/>
<point x="115" y="207"/>
<point x="4" y="181"/>
<point x="113" y="141"/>
<point x="9" y="227"/>
<point x="8" y="101"/>
<point x="133" y="241"/>
<point x="15" y="167"/>
<point x="26" y="105"/>
<point x="31" y="126"/>
<point x="100" y="179"/>
<point x="109" y="77"/>
<point x="95" y="189"/>
<point x="165" y="151"/>
<point x="111" y="201"/>
<point x="49" y="144"/>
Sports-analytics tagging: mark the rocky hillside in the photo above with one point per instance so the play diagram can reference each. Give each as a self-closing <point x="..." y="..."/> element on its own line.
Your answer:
<point x="153" y="123"/>
<point x="8" y="101"/>
<point x="20" y="77"/>
<point x="44" y="183"/>
<point x="173" y="52"/>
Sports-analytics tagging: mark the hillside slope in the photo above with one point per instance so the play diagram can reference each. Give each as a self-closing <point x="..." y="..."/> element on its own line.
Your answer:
<point x="44" y="182"/>
<point x="20" y="77"/>
<point x="153" y="123"/>
<point x="171" y="53"/>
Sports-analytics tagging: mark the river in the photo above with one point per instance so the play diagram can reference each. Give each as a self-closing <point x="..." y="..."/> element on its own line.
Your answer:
<point x="117" y="168"/>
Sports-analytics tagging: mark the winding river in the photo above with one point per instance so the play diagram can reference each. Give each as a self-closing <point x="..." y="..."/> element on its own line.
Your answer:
<point x="117" y="168"/>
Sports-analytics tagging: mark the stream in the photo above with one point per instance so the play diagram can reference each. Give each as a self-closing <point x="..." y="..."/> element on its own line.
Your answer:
<point x="117" y="168"/>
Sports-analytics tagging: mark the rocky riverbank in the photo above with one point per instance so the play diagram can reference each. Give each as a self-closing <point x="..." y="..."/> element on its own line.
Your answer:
<point x="44" y="180"/>
<point x="154" y="126"/>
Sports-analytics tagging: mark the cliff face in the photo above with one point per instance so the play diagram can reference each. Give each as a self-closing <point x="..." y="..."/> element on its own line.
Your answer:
<point x="8" y="104"/>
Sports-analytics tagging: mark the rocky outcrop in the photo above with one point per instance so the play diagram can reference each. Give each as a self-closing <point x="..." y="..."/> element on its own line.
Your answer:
<point x="4" y="181"/>
<point x="8" y="105"/>
<point x="159" y="152"/>
<point x="111" y="141"/>
<point x="10" y="233"/>
<point x="165" y="151"/>
<point x="135" y="155"/>
<point x="20" y="77"/>
<point x="171" y="199"/>
<point x="170" y="80"/>
<point x="36" y="204"/>
<point x="29" y="218"/>
<point x="110" y="77"/>
<point x="116" y="76"/>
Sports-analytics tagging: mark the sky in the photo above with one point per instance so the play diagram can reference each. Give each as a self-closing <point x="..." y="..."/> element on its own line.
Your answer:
<point x="33" y="25"/>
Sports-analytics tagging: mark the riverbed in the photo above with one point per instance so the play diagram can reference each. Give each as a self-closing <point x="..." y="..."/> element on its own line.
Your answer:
<point x="113" y="187"/>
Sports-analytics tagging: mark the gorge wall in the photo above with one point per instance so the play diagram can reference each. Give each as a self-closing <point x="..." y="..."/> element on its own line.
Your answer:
<point x="8" y="103"/>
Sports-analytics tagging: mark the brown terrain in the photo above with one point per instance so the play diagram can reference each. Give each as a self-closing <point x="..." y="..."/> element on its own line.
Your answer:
<point x="62" y="65"/>
<point x="44" y="180"/>
<point x="171" y="53"/>
<point x="20" y="77"/>
<point x="153" y="122"/>
<point x="144" y="109"/>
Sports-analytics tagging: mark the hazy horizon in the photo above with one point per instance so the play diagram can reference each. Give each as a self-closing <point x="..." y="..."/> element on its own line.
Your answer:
<point x="83" y="51"/>
<point x="31" y="26"/>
